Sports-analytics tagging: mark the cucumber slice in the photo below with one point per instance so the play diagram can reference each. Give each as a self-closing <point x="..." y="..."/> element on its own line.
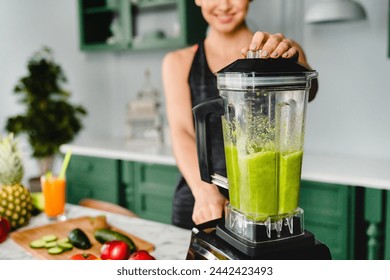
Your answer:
<point x="63" y="240"/>
<point x="55" y="250"/>
<point x="51" y="244"/>
<point x="65" y="245"/>
<point x="49" y="238"/>
<point x="38" y="243"/>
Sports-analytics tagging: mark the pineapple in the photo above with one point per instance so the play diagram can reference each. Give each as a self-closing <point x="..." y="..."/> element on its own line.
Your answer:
<point x="15" y="199"/>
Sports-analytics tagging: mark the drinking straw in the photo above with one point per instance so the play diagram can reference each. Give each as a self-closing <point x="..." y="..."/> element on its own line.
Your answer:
<point x="65" y="164"/>
<point x="48" y="175"/>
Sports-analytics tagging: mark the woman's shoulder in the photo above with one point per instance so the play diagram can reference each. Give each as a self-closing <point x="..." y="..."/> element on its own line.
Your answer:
<point x="181" y="57"/>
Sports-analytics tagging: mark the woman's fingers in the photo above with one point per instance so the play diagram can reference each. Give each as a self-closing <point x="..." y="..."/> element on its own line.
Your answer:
<point x="276" y="45"/>
<point x="209" y="212"/>
<point x="271" y="45"/>
<point x="206" y="215"/>
<point x="244" y="51"/>
<point x="290" y="53"/>
<point x="283" y="47"/>
<point x="258" y="40"/>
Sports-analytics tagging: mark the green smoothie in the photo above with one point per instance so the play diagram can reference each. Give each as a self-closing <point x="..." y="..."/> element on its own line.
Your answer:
<point x="232" y="170"/>
<point x="264" y="183"/>
<point x="258" y="184"/>
<point x="289" y="181"/>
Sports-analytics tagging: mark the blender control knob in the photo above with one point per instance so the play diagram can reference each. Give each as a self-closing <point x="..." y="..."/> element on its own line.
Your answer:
<point x="253" y="54"/>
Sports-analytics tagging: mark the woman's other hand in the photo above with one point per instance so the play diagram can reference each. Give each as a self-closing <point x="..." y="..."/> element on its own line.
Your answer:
<point x="209" y="204"/>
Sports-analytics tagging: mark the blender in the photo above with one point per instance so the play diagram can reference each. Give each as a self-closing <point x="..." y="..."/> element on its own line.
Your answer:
<point x="262" y="104"/>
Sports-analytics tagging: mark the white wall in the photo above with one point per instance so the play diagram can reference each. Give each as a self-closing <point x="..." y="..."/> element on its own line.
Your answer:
<point x="349" y="116"/>
<point x="101" y="81"/>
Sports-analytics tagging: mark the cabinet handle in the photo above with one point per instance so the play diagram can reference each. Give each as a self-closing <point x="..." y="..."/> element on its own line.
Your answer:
<point x="374" y="244"/>
<point x="373" y="215"/>
<point x="143" y="203"/>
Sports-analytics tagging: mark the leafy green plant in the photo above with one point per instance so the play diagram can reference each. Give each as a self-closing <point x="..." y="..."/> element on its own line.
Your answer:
<point x="50" y="120"/>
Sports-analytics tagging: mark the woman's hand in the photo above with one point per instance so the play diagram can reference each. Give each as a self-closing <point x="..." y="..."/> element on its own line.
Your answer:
<point x="276" y="45"/>
<point x="271" y="45"/>
<point x="209" y="204"/>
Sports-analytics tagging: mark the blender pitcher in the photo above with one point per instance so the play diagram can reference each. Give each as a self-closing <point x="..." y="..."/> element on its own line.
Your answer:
<point x="262" y="105"/>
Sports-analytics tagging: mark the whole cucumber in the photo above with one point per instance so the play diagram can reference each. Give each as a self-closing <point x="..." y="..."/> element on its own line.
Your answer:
<point x="79" y="239"/>
<point x="104" y="235"/>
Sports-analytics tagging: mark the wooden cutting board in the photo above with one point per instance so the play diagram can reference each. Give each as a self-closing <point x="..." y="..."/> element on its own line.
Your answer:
<point x="61" y="230"/>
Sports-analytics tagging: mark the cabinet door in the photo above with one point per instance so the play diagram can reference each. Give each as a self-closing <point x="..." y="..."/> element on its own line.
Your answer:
<point x="104" y="24"/>
<point x="330" y="216"/>
<point x="139" y="24"/>
<point x="94" y="178"/>
<point x="154" y="188"/>
<point x="159" y="24"/>
<point x="387" y="227"/>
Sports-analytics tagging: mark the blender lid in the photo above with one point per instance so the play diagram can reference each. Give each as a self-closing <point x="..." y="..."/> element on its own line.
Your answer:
<point x="257" y="72"/>
<point x="270" y="66"/>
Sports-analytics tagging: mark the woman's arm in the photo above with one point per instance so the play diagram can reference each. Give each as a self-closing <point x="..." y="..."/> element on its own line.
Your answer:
<point x="209" y="203"/>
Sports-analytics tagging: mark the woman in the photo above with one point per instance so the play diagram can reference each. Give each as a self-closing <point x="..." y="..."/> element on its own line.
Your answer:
<point x="188" y="80"/>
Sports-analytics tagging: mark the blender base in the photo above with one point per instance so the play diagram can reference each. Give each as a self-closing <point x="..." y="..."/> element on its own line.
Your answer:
<point x="302" y="240"/>
<point x="207" y="244"/>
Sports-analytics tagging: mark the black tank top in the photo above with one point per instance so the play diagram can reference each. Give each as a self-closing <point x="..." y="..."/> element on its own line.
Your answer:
<point x="203" y="86"/>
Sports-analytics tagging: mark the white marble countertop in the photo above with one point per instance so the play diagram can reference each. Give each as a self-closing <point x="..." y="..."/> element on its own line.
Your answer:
<point x="347" y="170"/>
<point x="171" y="243"/>
<point x="329" y="168"/>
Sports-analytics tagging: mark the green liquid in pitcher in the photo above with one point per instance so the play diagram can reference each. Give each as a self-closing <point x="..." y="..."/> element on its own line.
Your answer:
<point x="264" y="183"/>
<point x="289" y="181"/>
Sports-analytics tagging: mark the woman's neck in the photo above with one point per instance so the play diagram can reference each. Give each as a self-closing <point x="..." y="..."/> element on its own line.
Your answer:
<point x="230" y="40"/>
<point x="224" y="48"/>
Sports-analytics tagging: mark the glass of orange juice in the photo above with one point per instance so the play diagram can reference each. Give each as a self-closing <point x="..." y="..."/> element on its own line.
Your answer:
<point x="54" y="192"/>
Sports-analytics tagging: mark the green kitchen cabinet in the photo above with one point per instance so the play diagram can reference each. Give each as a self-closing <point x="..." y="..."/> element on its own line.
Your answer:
<point x="149" y="188"/>
<point x="93" y="177"/>
<point x="146" y="189"/>
<point x="387" y="226"/>
<point x="104" y="24"/>
<point x="139" y="24"/>
<point x="154" y="188"/>
<point x="333" y="214"/>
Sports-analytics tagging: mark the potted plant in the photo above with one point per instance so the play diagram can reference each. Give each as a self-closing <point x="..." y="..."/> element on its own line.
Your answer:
<point x="49" y="120"/>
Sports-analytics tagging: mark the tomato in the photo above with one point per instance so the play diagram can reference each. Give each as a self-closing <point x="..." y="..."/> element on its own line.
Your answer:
<point x="115" y="250"/>
<point x="141" y="255"/>
<point x="5" y="228"/>
<point x="84" y="256"/>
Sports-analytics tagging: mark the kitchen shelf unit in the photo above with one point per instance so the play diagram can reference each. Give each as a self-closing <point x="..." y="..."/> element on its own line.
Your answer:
<point x="139" y="24"/>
